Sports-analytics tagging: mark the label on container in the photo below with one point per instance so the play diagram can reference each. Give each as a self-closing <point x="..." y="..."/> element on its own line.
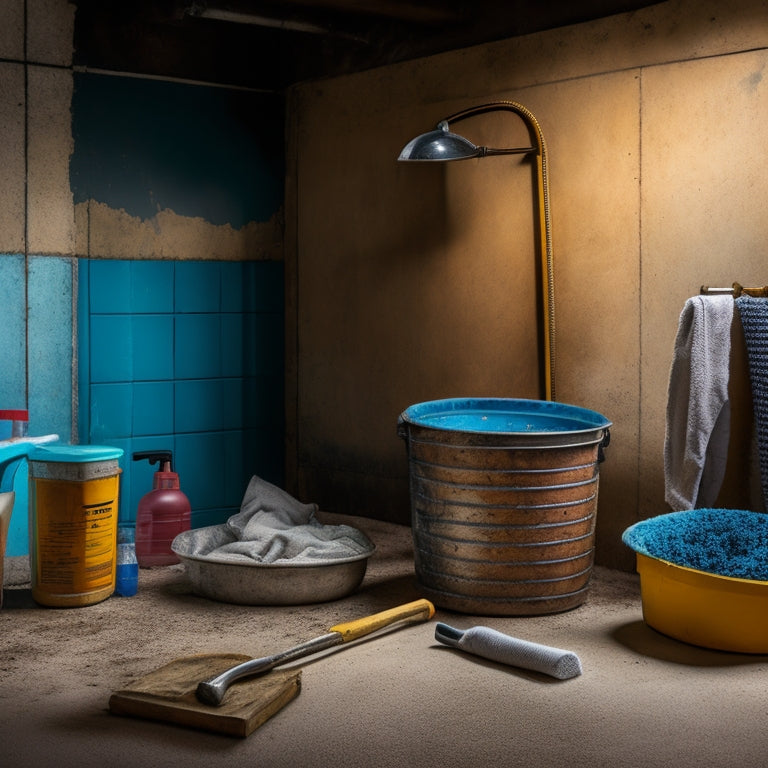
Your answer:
<point x="75" y="535"/>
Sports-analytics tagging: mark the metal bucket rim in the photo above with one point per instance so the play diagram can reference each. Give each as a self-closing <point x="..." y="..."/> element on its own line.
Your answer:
<point x="591" y="420"/>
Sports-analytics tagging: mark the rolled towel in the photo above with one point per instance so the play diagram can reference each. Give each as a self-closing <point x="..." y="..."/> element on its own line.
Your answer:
<point x="496" y="646"/>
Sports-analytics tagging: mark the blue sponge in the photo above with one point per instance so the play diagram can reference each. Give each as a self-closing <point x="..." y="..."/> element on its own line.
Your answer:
<point x="725" y="542"/>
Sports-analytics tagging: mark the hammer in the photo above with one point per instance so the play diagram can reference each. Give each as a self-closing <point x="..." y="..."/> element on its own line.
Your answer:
<point x="212" y="691"/>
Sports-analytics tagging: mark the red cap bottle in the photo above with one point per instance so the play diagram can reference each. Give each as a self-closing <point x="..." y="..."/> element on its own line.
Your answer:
<point x="163" y="513"/>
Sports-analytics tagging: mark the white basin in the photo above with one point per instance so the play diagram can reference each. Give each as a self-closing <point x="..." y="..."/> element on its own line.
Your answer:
<point x="12" y="454"/>
<point x="6" y="507"/>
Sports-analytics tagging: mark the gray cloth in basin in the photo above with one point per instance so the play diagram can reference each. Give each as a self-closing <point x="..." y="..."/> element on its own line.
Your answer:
<point x="272" y="527"/>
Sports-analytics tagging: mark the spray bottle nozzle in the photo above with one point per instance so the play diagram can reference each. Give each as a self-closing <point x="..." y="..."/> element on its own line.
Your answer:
<point x="161" y="458"/>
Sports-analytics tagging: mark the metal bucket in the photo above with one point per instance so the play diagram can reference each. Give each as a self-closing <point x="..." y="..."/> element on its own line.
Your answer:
<point x="503" y="502"/>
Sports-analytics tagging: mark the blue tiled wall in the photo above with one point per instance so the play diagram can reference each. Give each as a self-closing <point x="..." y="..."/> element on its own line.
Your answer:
<point x="13" y="388"/>
<point x="36" y="340"/>
<point x="188" y="357"/>
<point x="13" y="300"/>
<point x="36" y="358"/>
<point x="181" y="355"/>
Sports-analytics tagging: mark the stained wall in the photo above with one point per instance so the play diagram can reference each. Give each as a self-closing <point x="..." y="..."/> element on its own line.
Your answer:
<point x="411" y="282"/>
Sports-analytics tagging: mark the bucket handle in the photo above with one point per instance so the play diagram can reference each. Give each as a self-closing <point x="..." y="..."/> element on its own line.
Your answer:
<point x="604" y="443"/>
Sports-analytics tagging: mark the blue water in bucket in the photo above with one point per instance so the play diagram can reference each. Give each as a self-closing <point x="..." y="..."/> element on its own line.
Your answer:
<point x="504" y="415"/>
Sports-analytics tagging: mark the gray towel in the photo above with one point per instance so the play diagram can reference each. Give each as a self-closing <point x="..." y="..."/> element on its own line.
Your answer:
<point x="754" y="319"/>
<point x="274" y="528"/>
<point x="698" y="408"/>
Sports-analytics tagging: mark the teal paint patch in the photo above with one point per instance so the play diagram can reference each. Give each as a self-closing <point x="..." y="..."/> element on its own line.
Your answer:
<point x="148" y="145"/>
<point x="50" y="334"/>
<point x="13" y="332"/>
<point x="48" y="303"/>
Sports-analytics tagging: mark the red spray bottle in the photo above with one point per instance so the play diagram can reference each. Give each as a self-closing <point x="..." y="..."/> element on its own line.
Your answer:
<point x="163" y="513"/>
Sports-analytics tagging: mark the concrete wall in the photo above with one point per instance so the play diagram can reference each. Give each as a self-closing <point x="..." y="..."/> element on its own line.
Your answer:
<point x="411" y="282"/>
<point x="37" y="227"/>
<point x="174" y="192"/>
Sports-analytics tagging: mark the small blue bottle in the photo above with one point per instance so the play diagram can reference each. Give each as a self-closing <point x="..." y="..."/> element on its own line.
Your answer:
<point x="127" y="574"/>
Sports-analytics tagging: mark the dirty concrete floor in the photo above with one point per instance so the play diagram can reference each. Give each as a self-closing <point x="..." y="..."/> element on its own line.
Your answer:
<point x="391" y="700"/>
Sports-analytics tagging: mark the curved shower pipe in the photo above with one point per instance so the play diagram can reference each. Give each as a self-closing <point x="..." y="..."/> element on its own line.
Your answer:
<point x="544" y="221"/>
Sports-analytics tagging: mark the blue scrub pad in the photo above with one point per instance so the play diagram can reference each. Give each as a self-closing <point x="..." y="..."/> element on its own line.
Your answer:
<point x="725" y="542"/>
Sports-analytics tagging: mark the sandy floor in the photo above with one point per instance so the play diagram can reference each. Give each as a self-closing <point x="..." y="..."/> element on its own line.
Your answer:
<point x="390" y="700"/>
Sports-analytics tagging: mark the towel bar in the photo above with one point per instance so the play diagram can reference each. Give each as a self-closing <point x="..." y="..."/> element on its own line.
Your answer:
<point x="735" y="290"/>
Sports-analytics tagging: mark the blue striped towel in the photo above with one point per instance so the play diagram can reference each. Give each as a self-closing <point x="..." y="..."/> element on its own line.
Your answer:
<point x="754" y="319"/>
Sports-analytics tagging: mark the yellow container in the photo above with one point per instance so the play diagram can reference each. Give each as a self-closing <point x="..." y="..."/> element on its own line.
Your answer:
<point x="73" y="509"/>
<point x="706" y="609"/>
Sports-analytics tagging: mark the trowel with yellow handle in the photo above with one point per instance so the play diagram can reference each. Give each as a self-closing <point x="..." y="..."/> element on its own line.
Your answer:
<point x="191" y="691"/>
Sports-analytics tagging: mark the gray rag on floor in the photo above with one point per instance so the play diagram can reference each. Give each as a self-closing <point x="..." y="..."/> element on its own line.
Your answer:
<point x="698" y="407"/>
<point x="496" y="646"/>
<point x="274" y="528"/>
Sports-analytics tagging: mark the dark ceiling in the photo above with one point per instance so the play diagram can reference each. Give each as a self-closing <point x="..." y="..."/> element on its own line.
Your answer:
<point x="271" y="45"/>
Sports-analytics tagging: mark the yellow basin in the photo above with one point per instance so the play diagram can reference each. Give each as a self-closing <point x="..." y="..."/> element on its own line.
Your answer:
<point x="720" y="612"/>
<point x="702" y="576"/>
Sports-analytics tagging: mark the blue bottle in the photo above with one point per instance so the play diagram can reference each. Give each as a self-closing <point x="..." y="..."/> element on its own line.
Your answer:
<point x="127" y="573"/>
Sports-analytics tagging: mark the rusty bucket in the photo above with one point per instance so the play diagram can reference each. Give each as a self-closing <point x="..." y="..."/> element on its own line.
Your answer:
<point x="503" y="502"/>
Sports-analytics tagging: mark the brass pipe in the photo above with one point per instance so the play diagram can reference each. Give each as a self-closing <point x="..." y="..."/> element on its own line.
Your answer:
<point x="544" y="221"/>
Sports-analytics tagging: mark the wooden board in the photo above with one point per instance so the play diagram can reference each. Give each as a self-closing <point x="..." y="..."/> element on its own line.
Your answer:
<point x="168" y="694"/>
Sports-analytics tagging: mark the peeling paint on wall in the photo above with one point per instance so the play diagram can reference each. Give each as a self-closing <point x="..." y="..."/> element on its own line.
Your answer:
<point x="176" y="170"/>
<point x="106" y="233"/>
